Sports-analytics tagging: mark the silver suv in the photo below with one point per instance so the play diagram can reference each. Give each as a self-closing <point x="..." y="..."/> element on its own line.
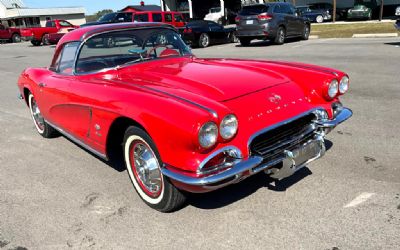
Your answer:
<point x="274" y="21"/>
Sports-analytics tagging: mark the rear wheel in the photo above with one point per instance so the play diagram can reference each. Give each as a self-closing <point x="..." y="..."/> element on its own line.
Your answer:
<point x="204" y="40"/>
<point x="45" y="40"/>
<point x="280" y="36"/>
<point x="233" y="38"/>
<point x="244" y="41"/>
<point x="144" y="168"/>
<point x="16" y="38"/>
<point x="306" y="32"/>
<point x="36" y="42"/>
<point x="319" y="19"/>
<point x="42" y="127"/>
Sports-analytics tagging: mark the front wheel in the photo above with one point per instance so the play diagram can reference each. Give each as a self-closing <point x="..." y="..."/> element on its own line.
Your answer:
<point x="319" y="19"/>
<point x="144" y="168"/>
<point x="204" y="40"/>
<point x="42" y="127"/>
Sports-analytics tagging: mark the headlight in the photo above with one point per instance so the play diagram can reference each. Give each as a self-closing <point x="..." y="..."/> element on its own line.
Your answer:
<point x="228" y="127"/>
<point x="208" y="135"/>
<point x="333" y="88"/>
<point x="344" y="85"/>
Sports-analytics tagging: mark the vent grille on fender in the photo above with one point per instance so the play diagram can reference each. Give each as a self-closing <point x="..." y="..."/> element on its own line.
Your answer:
<point x="271" y="144"/>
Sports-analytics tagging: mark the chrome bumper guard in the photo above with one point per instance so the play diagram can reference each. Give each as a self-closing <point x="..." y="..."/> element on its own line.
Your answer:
<point x="291" y="162"/>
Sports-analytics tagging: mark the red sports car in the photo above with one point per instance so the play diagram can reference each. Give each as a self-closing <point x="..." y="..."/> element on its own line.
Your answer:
<point x="184" y="123"/>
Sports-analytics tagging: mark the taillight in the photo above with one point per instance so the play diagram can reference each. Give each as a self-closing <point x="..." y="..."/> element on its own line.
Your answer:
<point x="237" y="19"/>
<point x="264" y="17"/>
<point x="187" y="30"/>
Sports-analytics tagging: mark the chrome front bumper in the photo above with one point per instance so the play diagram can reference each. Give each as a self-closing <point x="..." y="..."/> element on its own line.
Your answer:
<point x="255" y="164"/>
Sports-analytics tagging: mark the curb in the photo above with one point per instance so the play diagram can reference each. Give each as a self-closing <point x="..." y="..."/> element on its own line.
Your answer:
<point x="377" y="35"/>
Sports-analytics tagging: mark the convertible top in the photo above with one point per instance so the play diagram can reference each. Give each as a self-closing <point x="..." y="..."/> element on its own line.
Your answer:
<point x="82" y="33"/>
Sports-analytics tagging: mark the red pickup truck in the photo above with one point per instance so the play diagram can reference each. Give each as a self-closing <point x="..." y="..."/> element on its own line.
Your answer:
<point x="37" y="36"/>
<point x="10" y="34"/>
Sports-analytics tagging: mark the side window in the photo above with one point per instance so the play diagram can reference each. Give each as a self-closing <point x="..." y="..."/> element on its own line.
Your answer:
<point x="168" y="18"/>
<point x="66" y="62"/>
<point x="2" y="27"/>
<point x="157" y="17"/>
<point x="65" y="24"/>
<point x="277" y="9"/>
<point x="141" y="17"/>
<point x="178" y="18"/>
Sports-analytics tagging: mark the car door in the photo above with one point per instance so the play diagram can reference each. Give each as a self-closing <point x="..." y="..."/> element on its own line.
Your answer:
<point x="3" y="32"/>
<point x="57" y="99"/>
<point x="217" y="32"/>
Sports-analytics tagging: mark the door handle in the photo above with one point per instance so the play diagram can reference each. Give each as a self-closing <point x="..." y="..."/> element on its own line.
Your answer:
<point x="42" y="85"/>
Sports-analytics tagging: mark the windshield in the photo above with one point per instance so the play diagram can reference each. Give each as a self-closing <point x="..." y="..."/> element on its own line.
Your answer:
<point x="107" y="17"/>
<point x="359" y="7"/>
<point x="121" y="48"/>
<point x="304" y="9"/>
<point x="215" y="10"/>
<point x="254" y="9"/>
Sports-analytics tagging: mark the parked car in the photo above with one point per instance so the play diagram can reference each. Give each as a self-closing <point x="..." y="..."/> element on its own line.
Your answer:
<point x="170" y="17"/>
<point x="37" y="35"/>
<point x="324" y="8"/>
<point x="359" y="12"/>
<point x="205" y="33"/>
<point x="53" y="38"/>
<point x="184" y="123"/>
<point x="216" y="15"/>
<point x="311" y="15"/>
<point x="274" y="21"/>
<point x="10" y="34"/>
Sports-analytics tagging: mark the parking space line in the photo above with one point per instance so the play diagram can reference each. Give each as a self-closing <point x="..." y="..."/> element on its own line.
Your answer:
<point x="359" y="199"/>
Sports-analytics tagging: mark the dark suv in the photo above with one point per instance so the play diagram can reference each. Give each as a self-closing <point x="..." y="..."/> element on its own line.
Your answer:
<point x="274" y="21"/>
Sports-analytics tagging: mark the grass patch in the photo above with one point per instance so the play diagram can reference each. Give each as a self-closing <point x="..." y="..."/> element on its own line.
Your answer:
<point x="347" y="30"/>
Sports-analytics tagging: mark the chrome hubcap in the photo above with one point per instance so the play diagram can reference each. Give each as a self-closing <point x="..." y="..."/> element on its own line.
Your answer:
<point x="204" y="40"/>
<point x="146" y="168"/>
<point x="37" y="116"/>
<point x="281" y="36"/>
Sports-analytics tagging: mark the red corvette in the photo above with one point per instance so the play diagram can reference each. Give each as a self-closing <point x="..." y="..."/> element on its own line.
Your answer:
<point x="184" y="123"/>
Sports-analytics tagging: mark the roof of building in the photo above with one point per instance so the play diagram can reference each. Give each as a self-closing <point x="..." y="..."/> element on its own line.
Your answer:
<point x="10" y="4"/>
<point x="151" y="7"/>
<point x="44" y="11"/>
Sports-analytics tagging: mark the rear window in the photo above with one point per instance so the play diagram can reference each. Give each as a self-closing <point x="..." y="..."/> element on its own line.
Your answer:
<point x="253" y="10"/>
<point x="50" y="24"/>
<point x="157" y="17"/>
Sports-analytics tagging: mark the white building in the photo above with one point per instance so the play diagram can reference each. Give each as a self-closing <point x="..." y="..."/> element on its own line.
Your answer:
<point x="14" y="13"/>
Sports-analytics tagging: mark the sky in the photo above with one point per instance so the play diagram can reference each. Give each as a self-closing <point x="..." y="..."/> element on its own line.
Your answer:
<point x="91" y="6"/>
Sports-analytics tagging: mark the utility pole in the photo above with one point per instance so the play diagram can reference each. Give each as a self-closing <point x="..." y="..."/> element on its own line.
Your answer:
<point x="381" y="11"/>
<point x="334" y="11"/>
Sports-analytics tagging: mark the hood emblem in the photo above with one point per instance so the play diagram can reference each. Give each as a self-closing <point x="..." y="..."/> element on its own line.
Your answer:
<point x="275" y="98"/>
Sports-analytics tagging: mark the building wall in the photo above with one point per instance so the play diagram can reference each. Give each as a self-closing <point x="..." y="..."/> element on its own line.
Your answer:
<point x="2" y="11"/>
<point x="76" y="19"/>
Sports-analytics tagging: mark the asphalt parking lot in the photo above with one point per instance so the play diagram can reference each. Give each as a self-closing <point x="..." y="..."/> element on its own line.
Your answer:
<point x="54" y="195"/>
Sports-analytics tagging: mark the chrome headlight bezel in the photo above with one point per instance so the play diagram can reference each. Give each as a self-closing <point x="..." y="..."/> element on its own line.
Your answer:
<point x="333" y="89"/>
<point x="228" y="127"/>
<point x="344" y="84"/>
<point x="208" y="135"/>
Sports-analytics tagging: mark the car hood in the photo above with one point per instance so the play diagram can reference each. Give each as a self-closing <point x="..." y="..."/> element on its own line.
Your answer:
<point x="218" y="79"/>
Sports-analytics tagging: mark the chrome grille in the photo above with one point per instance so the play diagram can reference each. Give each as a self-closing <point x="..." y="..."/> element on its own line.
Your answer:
<point x="271" y="144"/>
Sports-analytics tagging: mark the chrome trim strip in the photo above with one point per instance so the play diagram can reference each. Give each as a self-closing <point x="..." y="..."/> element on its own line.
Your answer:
<point x="227" y="148"/>
<point x="344" y="114"/>
<point x="306" y="67"/>
<point x="78" y="141"/>
<point x="235" y="171"/>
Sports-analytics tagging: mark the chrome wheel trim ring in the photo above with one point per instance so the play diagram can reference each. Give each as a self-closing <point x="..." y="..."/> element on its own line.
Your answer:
<point x="36" y="115"/>
<point x="320" y="19"/>
<point x="136" y="174"/>
<point x="281" y="36"/>
<point x="204" y="40"/>
<point x="306" y="31"/>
